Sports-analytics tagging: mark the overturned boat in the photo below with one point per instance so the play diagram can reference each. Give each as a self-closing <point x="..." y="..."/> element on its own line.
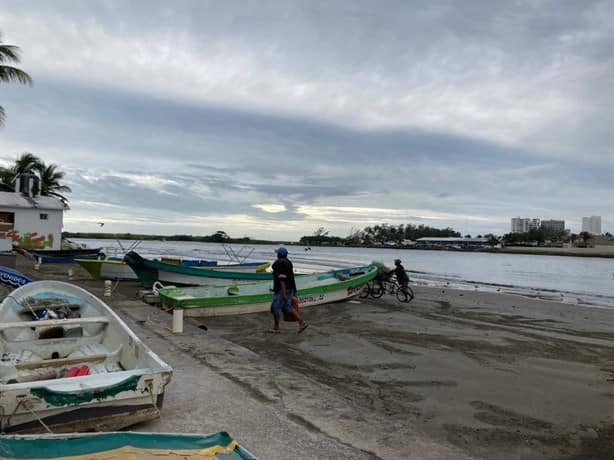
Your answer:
<point x="150" y="271"/>
<point x="123" y="445"/>
<point x="234" y="299"/>
<point x="69" y="363"/>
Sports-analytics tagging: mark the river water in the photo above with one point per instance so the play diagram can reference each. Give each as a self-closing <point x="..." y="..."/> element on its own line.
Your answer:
<point x="578" y="280"/>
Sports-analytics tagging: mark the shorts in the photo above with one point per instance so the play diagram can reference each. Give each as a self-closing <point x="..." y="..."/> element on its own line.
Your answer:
<point x="279" y="306"/>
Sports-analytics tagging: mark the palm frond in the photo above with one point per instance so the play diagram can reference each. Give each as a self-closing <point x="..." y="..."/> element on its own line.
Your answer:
<point x="26" y="162"/>
<point x="13" y="74"/>
<point x="9" y="53"/>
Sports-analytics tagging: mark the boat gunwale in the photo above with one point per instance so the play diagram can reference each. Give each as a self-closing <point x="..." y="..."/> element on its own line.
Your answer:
<point x="138" y="263"/>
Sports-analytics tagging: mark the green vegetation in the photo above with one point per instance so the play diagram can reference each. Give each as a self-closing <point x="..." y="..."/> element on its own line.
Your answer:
<point x="217" y="237"/>
<point x="49" y="175"/>
<point x="377" y="235"/>
<point x="8" y="73"/>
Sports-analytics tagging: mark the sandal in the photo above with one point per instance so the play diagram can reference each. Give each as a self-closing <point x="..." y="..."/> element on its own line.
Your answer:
<point x="303" y="327"/>
<point x="275" y="331"/>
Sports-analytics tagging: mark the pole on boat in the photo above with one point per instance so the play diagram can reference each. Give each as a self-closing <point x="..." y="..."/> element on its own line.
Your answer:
<point x="178" y="321"/>
<point x="38" y="263"/>
<point x="70" y="273"/>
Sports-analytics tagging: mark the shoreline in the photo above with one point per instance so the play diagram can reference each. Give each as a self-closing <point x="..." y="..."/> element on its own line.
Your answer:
<point x="606" y="252"/>
<point x="451" y="375"/>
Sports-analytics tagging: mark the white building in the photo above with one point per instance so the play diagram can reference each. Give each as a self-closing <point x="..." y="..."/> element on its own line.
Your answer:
<point x="554" y="224"/>
<point x="592" y="225"/>
<point x="524" y="224"/>
<point x="33" y="222"/>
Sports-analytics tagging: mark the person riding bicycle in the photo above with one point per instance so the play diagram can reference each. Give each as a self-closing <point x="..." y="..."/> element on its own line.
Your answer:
<point x="401" y="275"/>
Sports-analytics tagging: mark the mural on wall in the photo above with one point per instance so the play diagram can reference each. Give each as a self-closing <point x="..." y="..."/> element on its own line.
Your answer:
<point x="29" y="240"/>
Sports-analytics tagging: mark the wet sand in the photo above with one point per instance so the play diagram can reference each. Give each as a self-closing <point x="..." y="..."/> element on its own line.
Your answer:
<point x="453" y="374"/>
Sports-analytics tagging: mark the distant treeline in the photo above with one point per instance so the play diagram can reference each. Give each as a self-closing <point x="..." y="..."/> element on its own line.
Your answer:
<point x="217" y="237"/>
<point x="378" y="235"/>
<point x="370" y="236"/>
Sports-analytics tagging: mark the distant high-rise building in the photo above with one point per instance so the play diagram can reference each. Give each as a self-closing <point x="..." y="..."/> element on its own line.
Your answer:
<point x="534" y="224"/>
<point x="524" y="224"/>
<point x="554" y="225"/>
<point x="519" y="224"/>
<point x="592" y="225"/>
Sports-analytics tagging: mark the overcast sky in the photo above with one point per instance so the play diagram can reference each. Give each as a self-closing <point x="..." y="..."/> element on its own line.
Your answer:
<point x="270" y="119"/>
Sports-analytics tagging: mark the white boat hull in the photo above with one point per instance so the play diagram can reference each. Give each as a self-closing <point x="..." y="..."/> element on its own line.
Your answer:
<point x="304" y="301"/>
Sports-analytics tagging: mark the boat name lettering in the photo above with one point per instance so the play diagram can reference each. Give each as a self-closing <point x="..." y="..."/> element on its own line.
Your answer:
<point x="310" y="298"/>
<point x="15" y="280"/>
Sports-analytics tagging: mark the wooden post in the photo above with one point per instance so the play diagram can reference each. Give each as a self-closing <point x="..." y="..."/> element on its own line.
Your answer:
<point x="178" y="321"/>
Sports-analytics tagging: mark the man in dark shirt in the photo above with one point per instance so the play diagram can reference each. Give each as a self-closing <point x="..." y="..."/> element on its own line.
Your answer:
<point x="284" y="287"/>
<point x="401" y="275"/>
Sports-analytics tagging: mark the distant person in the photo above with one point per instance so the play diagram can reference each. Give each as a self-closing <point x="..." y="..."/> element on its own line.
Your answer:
<point x="401" y="276"/>
<point x="284" y="287"/>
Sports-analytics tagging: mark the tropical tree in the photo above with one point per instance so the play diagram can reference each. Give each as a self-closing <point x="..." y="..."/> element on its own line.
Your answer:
<point x="49" y="175"/>
<point x="50" y="178"/>
<point x="8" y="73"/>
<point x="27" y="162"/>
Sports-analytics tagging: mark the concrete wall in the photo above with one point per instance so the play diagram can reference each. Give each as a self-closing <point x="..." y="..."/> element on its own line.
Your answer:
<point x="30" y="231"/>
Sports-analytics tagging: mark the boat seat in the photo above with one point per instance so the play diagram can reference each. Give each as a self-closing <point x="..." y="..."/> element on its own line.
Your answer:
<point x="30" y="309"/>
<point x="54" y="322"/>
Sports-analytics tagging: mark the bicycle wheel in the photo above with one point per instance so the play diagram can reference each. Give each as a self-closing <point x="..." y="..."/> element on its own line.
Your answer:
<point x="377" y="290"/>
<point x="405" y="296"/>
<point x="365" y="291"/>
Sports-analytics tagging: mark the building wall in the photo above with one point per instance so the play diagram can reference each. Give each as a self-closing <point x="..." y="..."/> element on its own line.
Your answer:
<point x="592" y="225"/>
<point x="30" y="231"/>
<point x="524" y="224"/>
<point x="556" y="225"/>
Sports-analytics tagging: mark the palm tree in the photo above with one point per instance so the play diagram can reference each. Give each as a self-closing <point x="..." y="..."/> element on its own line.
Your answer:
<point x="10" y="53"/>
<point x="50" y="178"/>
<point x="27" y="162"/>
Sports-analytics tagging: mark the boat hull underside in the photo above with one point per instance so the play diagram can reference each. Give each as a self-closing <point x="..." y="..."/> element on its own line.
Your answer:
<point x="107" y="416"/>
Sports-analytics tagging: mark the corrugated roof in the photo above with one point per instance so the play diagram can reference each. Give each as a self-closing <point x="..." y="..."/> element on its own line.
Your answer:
<point x="19" y="200"/>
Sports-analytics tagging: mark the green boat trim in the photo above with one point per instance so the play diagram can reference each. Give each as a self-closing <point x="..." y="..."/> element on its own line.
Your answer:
<point x="180" y="297"/>
<point x="88" y="444"/>
<point x="147" y="271"/>
<point x="65" y="398"/>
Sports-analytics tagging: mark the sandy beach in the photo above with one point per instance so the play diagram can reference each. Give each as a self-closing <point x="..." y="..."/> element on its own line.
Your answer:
<point x="452" y="375"/>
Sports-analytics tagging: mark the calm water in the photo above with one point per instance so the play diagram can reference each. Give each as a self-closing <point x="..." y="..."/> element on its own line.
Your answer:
<point x="580" y="280"/>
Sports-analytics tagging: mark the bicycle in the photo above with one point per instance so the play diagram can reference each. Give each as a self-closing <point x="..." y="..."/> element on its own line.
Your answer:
<point x="378" y="287"/>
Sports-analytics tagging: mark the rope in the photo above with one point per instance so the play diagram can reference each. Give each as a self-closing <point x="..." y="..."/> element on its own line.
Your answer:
<point x="40" y="421"/>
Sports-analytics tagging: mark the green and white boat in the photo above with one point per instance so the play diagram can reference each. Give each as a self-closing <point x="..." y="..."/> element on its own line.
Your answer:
<point x="150" y="271"/>
<point x="234" y="299"/>
<point x="122" y="445"/>
<point x="69" y="363"/>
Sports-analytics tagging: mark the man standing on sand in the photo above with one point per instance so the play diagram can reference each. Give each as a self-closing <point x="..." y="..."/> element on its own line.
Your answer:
<point x="284" y="287"/>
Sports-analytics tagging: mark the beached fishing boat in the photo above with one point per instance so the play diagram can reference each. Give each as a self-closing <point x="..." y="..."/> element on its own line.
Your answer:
<point x="117" y="269"/>
<point x="107" y="269"/>
<point x="61" y="256"/>
<point x="233" y="299"/>
<point x="150" y="271"/>
<point x="122" y="445"/>
<point x="69" y="363"/>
